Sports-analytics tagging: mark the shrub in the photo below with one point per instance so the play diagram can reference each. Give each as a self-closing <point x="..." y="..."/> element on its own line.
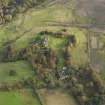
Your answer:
<point x="12" y="73"/>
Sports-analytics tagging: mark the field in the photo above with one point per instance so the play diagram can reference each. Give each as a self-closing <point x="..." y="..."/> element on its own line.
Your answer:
<point x="97" y="56"/>
<point x="93" y="9"/>
<point x="22" y="97"/>
<point x="50" y="97"/>
<point x="22" y="69"/>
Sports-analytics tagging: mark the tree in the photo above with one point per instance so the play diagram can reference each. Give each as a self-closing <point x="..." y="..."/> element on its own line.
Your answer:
<point x="97" y="100"/>
<point x="12" y="72"/>
<point x="9" y="53"/>
<point x="53" y="58"/>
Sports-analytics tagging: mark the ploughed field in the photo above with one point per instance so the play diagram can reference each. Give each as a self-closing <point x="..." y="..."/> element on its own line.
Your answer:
<point x="93" y="9"/>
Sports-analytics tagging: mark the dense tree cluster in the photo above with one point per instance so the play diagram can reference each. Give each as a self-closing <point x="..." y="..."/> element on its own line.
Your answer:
<point x="59" y="34"/>
<point x="10" y="87"/>
<point x="9" y="8"/>
<point x="9" y="53"/>
<point x="87" y="87"/>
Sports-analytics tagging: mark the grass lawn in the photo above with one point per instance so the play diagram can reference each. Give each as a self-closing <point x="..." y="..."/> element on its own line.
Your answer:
<point x="58" y="44"/>
<point x="22" y="97"/>
<point x="78" y="53"/>
<point x="22" y="69"/>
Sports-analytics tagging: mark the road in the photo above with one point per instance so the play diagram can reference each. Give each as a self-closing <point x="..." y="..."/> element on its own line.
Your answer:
<point x="98" y="28"/>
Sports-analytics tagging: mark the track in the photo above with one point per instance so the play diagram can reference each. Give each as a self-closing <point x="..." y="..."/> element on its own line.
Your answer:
<point x="98" y="28"/>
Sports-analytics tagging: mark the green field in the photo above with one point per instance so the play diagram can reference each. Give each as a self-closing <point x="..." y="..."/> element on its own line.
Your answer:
<point x="22" y="97"/>
<point x="22" y="69"/>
